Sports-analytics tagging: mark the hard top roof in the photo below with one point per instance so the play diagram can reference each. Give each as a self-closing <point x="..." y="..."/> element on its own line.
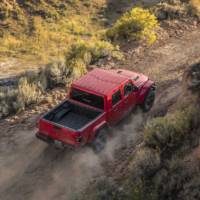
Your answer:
<point x="101" y="81"/>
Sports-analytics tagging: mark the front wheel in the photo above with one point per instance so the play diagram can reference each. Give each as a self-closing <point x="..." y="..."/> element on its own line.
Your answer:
<point x="149" y="100"/>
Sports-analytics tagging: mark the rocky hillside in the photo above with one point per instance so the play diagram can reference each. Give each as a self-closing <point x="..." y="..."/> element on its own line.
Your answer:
<point x="152" y="156"/>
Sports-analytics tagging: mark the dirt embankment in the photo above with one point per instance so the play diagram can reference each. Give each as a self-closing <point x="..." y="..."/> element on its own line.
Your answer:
<point x="29" y="169"/>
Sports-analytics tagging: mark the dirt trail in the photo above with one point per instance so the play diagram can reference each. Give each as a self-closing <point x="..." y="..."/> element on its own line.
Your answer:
<point x="30" y="169"/>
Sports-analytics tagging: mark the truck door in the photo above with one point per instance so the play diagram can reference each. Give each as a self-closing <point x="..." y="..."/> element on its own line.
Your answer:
<point x="129" y="97"/>
<point x="116" y="112"/>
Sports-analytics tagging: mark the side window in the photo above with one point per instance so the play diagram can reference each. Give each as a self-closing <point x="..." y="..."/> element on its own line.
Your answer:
<point x="128" y="88"/>
<point x="116" y="97"/>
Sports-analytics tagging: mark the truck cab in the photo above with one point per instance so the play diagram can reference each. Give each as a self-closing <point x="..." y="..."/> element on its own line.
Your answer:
<point x="99" y="99"/>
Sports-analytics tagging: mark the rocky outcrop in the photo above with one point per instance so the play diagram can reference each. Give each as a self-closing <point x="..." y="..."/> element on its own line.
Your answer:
<point x="194" y="77"/>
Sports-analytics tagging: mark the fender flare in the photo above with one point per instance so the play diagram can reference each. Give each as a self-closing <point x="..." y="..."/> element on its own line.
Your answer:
<point x="144" y="91"/>
<point x="98" y="128"/>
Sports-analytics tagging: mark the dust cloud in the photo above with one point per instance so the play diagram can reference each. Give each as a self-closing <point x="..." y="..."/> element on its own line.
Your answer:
<point x="37" y="171"/>
<point x="78" y="169"/>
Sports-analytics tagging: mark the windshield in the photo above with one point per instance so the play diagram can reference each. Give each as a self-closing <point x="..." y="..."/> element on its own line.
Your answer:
<point x="87" y="98"/>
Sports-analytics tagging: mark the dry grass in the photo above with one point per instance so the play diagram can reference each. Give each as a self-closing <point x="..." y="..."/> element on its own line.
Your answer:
<point x="47" y="29"/>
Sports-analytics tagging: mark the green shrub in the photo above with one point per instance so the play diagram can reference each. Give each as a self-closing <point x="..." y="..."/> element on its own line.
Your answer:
<point x="90" y="51"/>
<point x="141" y="190"/>
<point x="28" y="92"/>
<point x="55" y="73"/>
<point x="14" y="99"/>
<point x="145" y="163"/>
<point x="136" y="24"/>
<point x="176" y="9"/>
<point x="170" y="10"/>
<point x="82" y="53"/>
<point x="109" y="190"/>
<point x="8" y="101"/>
<point x="164" y="133"/>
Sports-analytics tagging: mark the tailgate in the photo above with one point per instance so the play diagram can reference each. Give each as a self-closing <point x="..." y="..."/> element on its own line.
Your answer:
<point x="57" y="132"/>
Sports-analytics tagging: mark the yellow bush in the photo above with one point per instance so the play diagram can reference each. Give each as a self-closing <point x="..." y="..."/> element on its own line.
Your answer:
<point x="136" y="24"/>
<point x="79" y="68"/>
<point x="196" y="5"/>
<point x="10" y="42"/>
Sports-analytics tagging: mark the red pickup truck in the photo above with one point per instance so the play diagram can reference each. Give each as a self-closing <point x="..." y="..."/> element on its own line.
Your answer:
<point x="98" y="100"/>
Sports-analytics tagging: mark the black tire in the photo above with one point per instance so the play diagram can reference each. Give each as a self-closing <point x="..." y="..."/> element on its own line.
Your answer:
<point x="100" y="141"/>
<point x="149" y="100"/>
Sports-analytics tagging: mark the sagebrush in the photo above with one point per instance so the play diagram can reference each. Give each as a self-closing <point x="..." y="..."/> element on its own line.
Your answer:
<point x="166" y="133"/>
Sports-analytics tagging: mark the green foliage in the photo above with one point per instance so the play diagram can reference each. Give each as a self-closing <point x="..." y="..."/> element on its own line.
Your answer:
<point x="136" y="24"/>
<point x="15" y="99"/>
<point x="165" y="133"/>
<point x="109" y="190"/>
<point x="28" y="92"/>
<point x="145" y="163"/>
<point x="9" y="9"/>
<point x="90" y="51"/>
<point x="82" y="53"/>
<point x="141" y="190"/>
<point x="56" y="73"/>
<point x="176" y="9"/>
<point x="154" y="177"/>
<point x="8" y="99"/>
<point x="170" y="10"/>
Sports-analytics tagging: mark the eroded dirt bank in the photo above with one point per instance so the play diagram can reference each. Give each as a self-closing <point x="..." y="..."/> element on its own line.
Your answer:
<point x="29" y="169"/>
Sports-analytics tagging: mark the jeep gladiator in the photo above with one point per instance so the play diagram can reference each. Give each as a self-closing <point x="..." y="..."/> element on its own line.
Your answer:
<point x="99" y="99"/>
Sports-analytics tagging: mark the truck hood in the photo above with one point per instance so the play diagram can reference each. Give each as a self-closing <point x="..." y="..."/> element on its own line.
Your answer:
<point x="139" y="79"/>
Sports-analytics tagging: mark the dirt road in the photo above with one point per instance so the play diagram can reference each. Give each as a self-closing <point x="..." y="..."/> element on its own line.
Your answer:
<point x="29" y="169"/>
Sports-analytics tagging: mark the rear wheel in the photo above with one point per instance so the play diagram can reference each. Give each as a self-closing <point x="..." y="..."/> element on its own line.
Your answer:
<point x="149" y="100"/>
<point x="100" y="141"/>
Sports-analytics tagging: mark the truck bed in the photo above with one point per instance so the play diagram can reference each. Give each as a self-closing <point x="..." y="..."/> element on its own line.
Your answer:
<point x="71" y="115"/>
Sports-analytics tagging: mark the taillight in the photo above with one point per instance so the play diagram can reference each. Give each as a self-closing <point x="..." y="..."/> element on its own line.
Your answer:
<point x="79" y="139"/>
